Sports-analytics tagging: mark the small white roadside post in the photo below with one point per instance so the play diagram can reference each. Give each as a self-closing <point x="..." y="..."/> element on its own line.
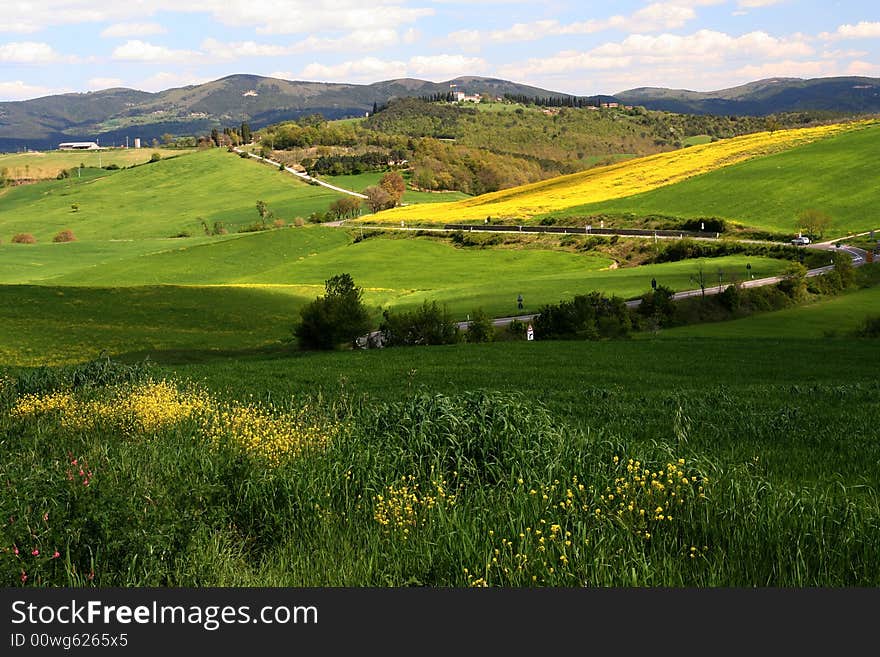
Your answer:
<point x="530" y="333"/>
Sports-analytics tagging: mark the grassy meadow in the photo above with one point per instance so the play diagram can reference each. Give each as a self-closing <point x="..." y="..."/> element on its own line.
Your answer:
<point x="67" y="302"/>
<point x="829" y="317"/>
<point x="48" y="164"/>
<point x="681" y="463"/>
<point x="161" y="199"/>
<point x="767" y="193"/>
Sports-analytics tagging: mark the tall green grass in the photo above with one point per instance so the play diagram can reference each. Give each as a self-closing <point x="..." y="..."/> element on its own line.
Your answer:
<point x="469" y="489"/>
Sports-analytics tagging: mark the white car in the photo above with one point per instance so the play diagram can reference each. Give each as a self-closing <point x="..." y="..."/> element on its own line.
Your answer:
<point x="800" y="240"/>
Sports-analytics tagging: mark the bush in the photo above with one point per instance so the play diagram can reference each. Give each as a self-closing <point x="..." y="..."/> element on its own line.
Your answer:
<point x="112" y="167"/>
<point x="65" y="236"/>
<point x="299" y="222"/>
<point x="870" y="327"/>
<point x="338" y="317"/>
<point x="427" y="325"/>
<point x="279" y="223"/>
<point x="480" y="328"/>
<point x="155" y="157"/>
<point x="586" y="317"/>
<point x="23" y="238"/>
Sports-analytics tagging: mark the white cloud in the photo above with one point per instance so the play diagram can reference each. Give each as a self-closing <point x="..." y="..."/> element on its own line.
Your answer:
<point x="281" y="75"/>
<point x="267" y="16"/>
<point x="862" y="30"/>
<point x="368" y="68"/>
<point x="372" y="69"/>
<point x="165" y="80"/>
<point x="28" y="52"/>
<point x="788" y="69"/>
<point x="104" y="83"/>
<point x="703" y="45"/>
<point x="141" y="51"/>
<point x="655" y="17"/>
<point x="357" y="41"/>
<point x="123" y="30"/>
<point x="865" y="69"/>
<point x="18" y="90"/>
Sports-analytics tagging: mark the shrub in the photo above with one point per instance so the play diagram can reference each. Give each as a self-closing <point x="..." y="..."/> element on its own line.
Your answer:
<point x="65" y="236"/>
<point x="279" y="223"/>
<point x="870" y="328"/>
<point x="587" y="317"/>
<point x="480" y="328"/>
<point x="299" y="222"/>
<point x="428" y="325"/>
<point x="112" y="167"/>
<point x="155" y="157"/>
<point x="23" y="238"/>
<point x="338" y="317"/>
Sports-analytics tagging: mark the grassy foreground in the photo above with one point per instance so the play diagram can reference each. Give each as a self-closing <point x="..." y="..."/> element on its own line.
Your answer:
<point x="687" y="463"/>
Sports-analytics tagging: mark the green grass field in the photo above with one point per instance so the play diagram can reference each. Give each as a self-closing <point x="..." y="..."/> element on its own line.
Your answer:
<point x="159" y="200"/>
<point x="267" y="277"/>
<point x="831" y="175"/>
<point x="48" y="164"/>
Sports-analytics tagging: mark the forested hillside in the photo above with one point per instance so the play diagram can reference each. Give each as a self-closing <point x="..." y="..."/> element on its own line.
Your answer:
<point x="485" y="147"/>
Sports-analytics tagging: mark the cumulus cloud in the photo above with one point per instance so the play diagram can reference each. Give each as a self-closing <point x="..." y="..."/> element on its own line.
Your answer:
<point x="124" y="30"/>
<point x="141" y="51"/>
<point x="862" y="30"/>
<point x="657" y="16"/>
<point x="19" y="90"/>
<point x="28" y="52"/>
<point x="372" y="69"/>
<point x="267" y="16"/>
<point x="357" y="41"/>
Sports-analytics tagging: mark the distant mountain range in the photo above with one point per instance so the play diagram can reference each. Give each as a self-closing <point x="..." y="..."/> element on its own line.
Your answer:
<point x="113" y="115"/>
<point x="771" y="96"/>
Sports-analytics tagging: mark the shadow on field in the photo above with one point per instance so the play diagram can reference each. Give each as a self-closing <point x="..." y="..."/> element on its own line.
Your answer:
<point x="189" y="355"/>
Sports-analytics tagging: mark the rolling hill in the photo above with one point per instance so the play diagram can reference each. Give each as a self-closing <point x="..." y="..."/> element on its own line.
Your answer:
<point x="111" y="115"/>
<point x="565" y="193"/>
<point x="763" y="97"/>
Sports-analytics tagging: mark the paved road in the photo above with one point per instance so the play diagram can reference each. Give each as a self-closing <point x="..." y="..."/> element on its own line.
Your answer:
<point x="300" y="174"/>
<point x="858" y="258"/>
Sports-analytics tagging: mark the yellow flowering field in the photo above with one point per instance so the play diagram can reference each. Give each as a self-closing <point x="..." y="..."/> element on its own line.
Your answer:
<point x="614" y="181"/>
<point x="146" y="409"/>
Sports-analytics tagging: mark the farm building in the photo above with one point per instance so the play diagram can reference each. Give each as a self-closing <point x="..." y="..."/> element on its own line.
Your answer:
<point x="79" y="146"/>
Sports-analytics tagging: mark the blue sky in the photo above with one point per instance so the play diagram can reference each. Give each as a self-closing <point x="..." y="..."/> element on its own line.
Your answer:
<point x="54" y="46"/>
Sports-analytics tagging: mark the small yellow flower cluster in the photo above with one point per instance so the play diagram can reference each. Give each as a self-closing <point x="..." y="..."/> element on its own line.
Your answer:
<point x="156" y="406"/>
<point x="31" y="405"/>
<point x="404" y="506"/>
<point x="643" y="499"/>
<point x="269" y="435"/>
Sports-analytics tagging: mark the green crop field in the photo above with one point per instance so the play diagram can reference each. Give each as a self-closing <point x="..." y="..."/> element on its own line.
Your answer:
<point x="159" y="200"/>
<point x="289" y="266"/>
<point x="48" y="164"/>
<point x="831" y="175"/>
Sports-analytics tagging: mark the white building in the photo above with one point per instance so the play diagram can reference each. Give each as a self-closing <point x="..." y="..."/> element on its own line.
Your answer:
<point x="79" y="146"/>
